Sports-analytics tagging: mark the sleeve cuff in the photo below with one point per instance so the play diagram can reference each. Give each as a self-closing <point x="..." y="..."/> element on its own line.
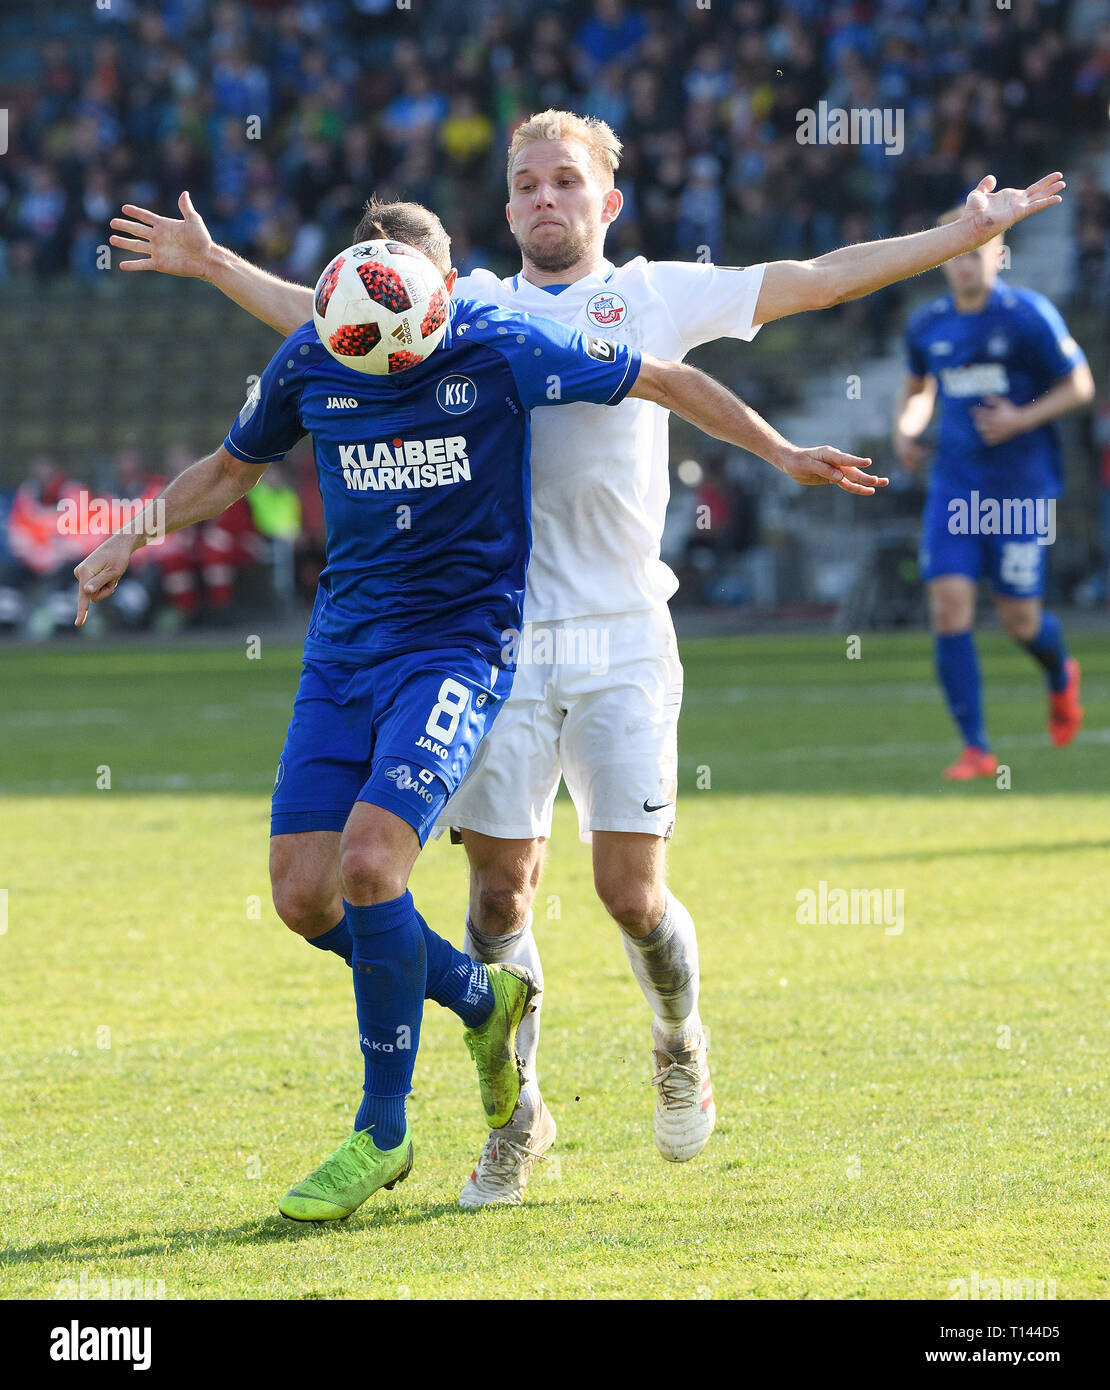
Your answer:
<point x="238" y="452"/>
<point x="631" y="372"/>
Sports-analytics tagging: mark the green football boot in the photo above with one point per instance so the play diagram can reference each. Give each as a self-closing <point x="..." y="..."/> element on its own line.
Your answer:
<point x="344" y="1181"/>
<point x="492" y="1044"/>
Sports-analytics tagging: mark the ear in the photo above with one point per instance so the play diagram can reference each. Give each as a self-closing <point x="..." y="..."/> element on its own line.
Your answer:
<point x="611" y="207"/>
<point x="449" y="280"/>
<point x="509" y="215"/>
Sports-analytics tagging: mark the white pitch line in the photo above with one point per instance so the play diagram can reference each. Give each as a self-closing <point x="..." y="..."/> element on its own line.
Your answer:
<point x="168" y="782"/>
<point x="78" y="718"/>
<point x="184" y="781"/>
<point x="833" y="752"/>
<point x="908" y="692"/>
<point x="49" y="719"/>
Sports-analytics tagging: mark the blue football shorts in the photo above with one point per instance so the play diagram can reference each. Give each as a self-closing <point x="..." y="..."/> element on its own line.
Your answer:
<point x="399" y="734"/>
<point x="1005" y="540"/>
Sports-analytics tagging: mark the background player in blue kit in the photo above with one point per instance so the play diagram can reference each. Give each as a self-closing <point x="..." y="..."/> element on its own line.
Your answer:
<point x="1004" y="366"/>
<point x="428" y="534"/>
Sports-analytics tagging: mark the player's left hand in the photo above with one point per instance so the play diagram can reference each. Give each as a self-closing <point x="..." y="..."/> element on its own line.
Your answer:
<point x="99" y="573"/>
<point x="991" y="212"/>
<point x="825" y="464"/>
<point x="998" y="419"/>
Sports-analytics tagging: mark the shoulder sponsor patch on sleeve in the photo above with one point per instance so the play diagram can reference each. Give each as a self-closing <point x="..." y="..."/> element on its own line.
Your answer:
<point x="250" y="405"/>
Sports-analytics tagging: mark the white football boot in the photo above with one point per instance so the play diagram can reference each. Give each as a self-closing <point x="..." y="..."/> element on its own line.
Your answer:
<point x="684" y="1109"/>
<point x="507" y="1161"/>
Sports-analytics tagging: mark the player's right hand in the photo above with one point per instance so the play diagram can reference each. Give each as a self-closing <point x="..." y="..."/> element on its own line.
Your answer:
<point x="99" y="573"/>
<point x="910" y="452"/>
<point x="171" y="245"/>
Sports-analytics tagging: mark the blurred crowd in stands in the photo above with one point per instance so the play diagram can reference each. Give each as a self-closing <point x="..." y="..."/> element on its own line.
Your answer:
<point x="267" y="546"/>
<point x="281" y="118"/>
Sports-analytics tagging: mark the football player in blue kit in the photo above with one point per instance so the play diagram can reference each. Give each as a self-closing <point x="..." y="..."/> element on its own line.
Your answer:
<point x="1004" y="367"/>
<point x="425" y="481"/>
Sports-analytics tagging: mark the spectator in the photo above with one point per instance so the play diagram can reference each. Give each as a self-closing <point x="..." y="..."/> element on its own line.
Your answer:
<point x="350" y="101"/>
<point x="466" y="135"/>
<point x="613" y="32"/>
<point x="276" y="512"/>
<point x="39" y="546"/>
<point x="412" y="117"/>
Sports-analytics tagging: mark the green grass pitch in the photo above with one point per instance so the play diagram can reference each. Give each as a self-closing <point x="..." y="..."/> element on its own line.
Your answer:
<point x="898" y="1110"/>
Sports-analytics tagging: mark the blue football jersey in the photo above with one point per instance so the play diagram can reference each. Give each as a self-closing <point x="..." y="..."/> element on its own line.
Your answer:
<point x="1017" y="346"/>
<point x="425" y="474"/>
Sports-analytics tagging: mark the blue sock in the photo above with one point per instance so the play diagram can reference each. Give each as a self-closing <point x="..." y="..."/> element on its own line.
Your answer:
<point x="337" y="940"/>
<point x="958" y="672"/>
<point x="455" y="981"/>
<point x="389" y="966"/>
<point x="1048" y="648"/>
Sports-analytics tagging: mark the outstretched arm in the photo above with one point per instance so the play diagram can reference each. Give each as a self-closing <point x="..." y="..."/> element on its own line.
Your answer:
<point x="791" y="287"/>
<point x="183" y="246"/>
<point x="202" y="491"/>
<point x="714" y="409"/>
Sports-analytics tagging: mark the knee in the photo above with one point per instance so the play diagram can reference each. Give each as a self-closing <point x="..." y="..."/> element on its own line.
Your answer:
<point x="635" y="905"/>
<point x="369" y="874"/>
<point x="950" y="619"/>
<point x="1020" y="625"/>
<point x="951" y="610"/>
<point x="503" y="905"/>
<point x="302" y="908"/>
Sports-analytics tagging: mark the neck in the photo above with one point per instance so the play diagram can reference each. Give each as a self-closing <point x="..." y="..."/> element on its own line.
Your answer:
<point x="588" y="265"/>
<point x="971" y="301"/>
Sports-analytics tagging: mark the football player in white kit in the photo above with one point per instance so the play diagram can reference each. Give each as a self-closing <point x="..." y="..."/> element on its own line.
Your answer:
<point x="598" y="686"/>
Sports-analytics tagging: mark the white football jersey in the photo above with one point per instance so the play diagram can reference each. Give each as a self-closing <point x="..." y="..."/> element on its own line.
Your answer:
<point x="600" y="479"/>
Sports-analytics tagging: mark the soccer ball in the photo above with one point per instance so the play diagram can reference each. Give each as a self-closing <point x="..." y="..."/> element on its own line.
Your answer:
<point x="380" y="307"/>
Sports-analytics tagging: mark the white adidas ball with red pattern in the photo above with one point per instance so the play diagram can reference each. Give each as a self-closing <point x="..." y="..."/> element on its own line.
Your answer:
<point x="380" y="307"/>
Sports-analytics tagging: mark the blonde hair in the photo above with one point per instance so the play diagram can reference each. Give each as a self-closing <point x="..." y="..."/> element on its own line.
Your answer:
<point x="599" y="138"/>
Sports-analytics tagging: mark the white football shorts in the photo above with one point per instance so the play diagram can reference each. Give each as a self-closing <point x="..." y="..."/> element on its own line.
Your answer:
<point x="596" y="701"/>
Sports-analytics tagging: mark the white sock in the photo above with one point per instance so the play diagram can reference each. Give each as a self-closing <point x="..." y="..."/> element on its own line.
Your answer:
<point x="515" y="948"/>
<point x="665" y="964"/>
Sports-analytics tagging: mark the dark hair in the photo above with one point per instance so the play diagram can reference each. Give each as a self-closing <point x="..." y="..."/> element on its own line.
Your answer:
<point x="408" y="222"/>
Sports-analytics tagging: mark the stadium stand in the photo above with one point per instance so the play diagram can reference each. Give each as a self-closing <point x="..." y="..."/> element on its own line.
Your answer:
<point x="282" y="118"/>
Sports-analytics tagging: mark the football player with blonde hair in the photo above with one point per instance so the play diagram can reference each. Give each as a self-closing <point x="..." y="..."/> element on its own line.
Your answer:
<point x="597" y="587"/>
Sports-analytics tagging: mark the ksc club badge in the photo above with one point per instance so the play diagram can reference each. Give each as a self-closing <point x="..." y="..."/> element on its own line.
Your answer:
<point x="606" y="310"/>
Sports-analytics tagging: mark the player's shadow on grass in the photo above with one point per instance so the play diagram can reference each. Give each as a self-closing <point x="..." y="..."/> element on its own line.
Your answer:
<point x="267" y="1230"/>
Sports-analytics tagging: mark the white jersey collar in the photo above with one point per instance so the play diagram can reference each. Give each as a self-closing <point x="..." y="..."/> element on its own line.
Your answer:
<point x="519" y="285"/>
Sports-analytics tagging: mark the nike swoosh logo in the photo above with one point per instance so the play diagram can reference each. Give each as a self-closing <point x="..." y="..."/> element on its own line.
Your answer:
<point x="650" y="808"/>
